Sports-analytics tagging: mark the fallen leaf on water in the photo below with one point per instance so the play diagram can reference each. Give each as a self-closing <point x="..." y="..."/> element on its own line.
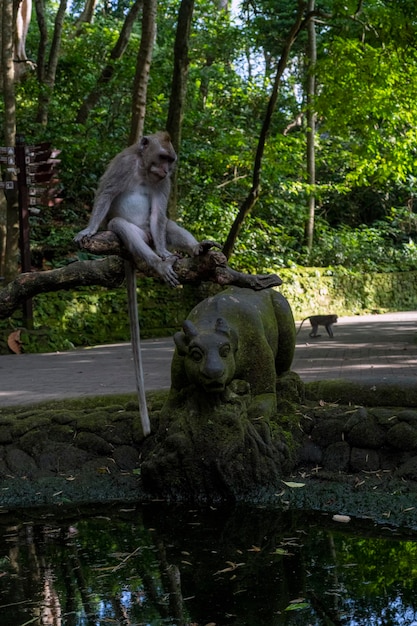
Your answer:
<point x="294" y="485"/>
<point x="281" y="552"/>
<point x="297" y="605"/>
<point x="231" y="568"/>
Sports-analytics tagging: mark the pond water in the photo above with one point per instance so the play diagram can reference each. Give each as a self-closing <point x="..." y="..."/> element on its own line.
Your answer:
<point x="157" y="564"/>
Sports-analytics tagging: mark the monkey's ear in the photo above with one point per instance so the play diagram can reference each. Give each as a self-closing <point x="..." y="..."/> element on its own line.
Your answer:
<point x="143" y="143"/>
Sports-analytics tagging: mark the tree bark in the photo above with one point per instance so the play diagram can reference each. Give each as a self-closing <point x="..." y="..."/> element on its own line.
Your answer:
<point x="251" y="199"/>
<point x="43" y="40"/>
<point x="50" y="73"/>
<point x="87" y="15"/>
<point x="143" y="64"/>
<point x="311" y="130"/>
<point x="179" y="90"/>
<point x="108" y="71"/>
<point x="11" y="219"/>
<point x="110" y="272"/>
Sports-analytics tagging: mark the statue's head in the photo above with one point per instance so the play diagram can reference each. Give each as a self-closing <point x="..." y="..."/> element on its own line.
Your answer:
<point x="209" y="355"/>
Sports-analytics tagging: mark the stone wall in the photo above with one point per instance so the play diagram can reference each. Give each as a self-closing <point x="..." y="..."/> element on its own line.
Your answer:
<point x="347" y="440"/>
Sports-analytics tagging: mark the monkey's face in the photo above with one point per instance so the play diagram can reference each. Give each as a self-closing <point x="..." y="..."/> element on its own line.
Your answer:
<point x="158" y="156"/>
<point x="161" y="167"/>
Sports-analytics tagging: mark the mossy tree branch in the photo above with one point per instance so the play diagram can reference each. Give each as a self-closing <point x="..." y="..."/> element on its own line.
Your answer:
<point x="109" y="272"/>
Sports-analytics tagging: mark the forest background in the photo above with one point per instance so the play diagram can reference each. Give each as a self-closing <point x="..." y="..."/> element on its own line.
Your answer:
<point x="295" y="123"/>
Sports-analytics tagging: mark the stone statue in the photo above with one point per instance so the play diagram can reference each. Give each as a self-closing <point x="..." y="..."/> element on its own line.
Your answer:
<point x="219" y="435"/>
<point x="238" y="334"/>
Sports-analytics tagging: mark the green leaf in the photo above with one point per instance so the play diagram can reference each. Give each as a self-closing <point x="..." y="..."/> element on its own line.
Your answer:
<point x="297" y="606"/>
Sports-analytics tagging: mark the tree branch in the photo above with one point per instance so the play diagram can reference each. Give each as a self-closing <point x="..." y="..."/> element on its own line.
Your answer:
<point x="109" y="272"/>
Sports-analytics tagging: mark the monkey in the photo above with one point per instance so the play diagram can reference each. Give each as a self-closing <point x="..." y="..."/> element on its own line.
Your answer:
<point x="131" y="200"/>
<point x="320" y="320"/>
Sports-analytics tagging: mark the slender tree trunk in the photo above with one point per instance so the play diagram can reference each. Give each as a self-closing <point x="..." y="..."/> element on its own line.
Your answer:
<point x="11" y="219"/>
<point x="179" y="90"/>
<point x="50" y="73"/>
<point x="87" y="15"/>
<point x="251" y="199"/>
<point x="108" y="71"/>
<point x="143" y="64"/>
<point x="43" y="40"/>
<point x="311" y="131"/>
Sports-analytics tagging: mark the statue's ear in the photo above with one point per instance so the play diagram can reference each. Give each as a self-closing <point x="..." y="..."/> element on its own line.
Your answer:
<point x="182" y="339"/>
<point x="223" y="327"/>
<point x="181" y="344"/>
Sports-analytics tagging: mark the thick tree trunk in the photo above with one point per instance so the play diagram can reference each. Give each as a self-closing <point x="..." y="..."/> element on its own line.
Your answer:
<point x="143" y="64"/>
<point x="11" y="218"/>
<point x="50" y="73"/>
<point x="43" y="40"/>
<point x="253" y="195"/>
<point x="179" y="90"/>
<point x="108" y="71"/>
<point x="311" y="131"/>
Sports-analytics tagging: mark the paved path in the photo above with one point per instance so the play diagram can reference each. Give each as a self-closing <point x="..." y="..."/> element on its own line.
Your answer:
<point x="370" y="349"/>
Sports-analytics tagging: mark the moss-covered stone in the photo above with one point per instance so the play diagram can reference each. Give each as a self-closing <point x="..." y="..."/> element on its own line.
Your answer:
<point x="92" y="442"/>
<point x="93" y="422"/>
<point x="336" y="458"/>
<point x="364" y="460"/>
<point x="408" y="416"/>
<point x="328" y="431"/>
<point x="402" y="436"/>
<point x="366" y="433"/>
<point x="5" y="435"/>
<point x="23" y="426"/>
<point x="63" y="417"/>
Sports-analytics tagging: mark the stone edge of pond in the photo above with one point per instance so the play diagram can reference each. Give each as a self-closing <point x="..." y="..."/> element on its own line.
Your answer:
<point x="391" y="503"/>
<point x="336" y="494"/>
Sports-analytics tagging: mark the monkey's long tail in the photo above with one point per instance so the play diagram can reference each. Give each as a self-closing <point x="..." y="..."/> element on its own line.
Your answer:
<point x="299" y="328"/>
<point x="130" y="271"/>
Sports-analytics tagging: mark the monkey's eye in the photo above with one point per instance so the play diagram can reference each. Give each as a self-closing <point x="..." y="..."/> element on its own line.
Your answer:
<point x="196" y="355"/>
<point x="225" y="350"/>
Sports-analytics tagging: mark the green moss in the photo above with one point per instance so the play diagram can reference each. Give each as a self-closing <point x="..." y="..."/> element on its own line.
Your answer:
<point x="36" y="421"/>
<point x="344" y="392"/>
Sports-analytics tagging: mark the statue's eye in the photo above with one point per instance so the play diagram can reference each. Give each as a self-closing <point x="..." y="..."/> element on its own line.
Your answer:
<point x="196" y="355"/>
<point x="225" y="350"/>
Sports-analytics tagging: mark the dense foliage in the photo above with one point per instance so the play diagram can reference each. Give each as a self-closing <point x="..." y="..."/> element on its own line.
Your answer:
<point x="365" y="142"/>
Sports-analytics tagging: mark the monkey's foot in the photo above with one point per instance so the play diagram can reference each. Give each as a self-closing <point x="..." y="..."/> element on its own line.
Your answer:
<point x="166" y="271"/>
<point x="204" y="246"/>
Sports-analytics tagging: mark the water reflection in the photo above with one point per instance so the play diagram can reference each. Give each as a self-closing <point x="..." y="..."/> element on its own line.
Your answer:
<point x="157" y="564"/>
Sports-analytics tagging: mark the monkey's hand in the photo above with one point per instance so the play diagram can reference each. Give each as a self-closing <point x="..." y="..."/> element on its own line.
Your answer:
<point x="87" y="232"/>
<point x="204" y="246"/>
